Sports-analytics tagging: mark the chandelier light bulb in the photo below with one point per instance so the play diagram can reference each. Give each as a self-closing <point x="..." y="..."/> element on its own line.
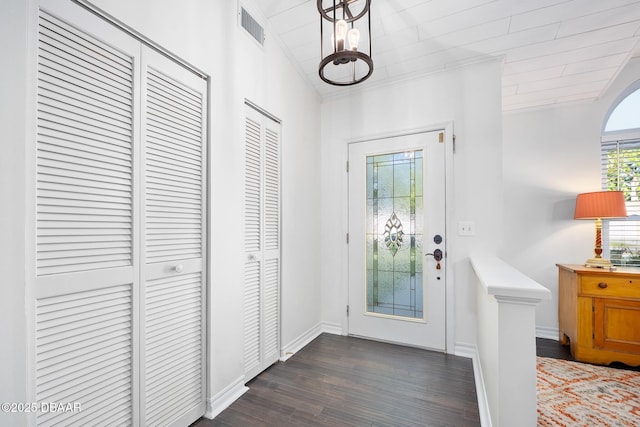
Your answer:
<point x="341" y="33"/>
<point x="341" y="29"/>
<point x="354" y="38"/>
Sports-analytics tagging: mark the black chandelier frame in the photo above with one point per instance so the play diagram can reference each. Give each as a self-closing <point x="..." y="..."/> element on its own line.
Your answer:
<point x="344" y="56"/>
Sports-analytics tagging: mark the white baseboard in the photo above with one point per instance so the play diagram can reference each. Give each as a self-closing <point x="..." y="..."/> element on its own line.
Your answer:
<point x="471" y="351"/>
<point x="226" y="397"/>
<point x="465" y="350"/>
<point x="331" y="328"/>
<point x="547" y="332"/>
<point x="305" y="338"/>
<point x="298" y="343"/>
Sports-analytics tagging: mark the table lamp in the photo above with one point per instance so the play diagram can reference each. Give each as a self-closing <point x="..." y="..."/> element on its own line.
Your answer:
<point x="598" y="205"/>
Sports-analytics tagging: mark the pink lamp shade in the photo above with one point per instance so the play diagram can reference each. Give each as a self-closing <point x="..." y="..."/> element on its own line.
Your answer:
<point x="600" y="204"/>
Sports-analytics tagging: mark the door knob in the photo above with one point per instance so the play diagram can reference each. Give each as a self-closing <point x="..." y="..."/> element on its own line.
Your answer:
<point x="178" y="268"/>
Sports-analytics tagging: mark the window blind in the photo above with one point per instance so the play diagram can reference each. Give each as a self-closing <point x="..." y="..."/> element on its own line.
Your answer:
<point x="620" y="166"/>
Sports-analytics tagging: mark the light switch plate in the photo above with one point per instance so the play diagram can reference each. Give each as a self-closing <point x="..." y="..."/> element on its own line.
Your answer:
<point x="466" y="228"/>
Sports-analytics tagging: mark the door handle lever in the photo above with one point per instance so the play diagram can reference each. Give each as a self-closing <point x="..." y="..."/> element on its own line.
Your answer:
<point x="437" y="254"/>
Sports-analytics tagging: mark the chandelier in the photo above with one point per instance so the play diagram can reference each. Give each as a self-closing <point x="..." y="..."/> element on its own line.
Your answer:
<point x="345" y="24"/>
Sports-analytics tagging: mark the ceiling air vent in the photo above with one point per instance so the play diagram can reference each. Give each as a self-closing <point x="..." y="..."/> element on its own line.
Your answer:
<point x="252" y="26"/>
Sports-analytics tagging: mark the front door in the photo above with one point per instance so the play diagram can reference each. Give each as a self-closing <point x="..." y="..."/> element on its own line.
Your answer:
<point x="396" y="239"/>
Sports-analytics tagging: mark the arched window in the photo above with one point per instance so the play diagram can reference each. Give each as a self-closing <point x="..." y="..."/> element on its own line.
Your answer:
<point x="621" y="171"/>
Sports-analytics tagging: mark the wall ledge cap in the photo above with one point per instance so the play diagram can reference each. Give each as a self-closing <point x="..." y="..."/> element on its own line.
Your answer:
<point x="507" y="284"/>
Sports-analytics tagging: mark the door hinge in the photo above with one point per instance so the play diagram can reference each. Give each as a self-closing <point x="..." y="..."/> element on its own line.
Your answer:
<point x="347" y="310"/>
<point x="347" y="166"/>
<point x="347" y="238"/>
<point x="454" y="143"/>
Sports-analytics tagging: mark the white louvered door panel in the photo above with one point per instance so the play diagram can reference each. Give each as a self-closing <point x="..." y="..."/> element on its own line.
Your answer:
<point x="84" y="152"/>
<point x="262" y="243"/>
<point x="85" y="345"/>
<point x="85" y="272"/>
<point x="271" y="237"/>
<point x="271" y="318"/>
<point x="253" y="185"/>
<point x="252" y="363"/>
<point x="173" y="335"/>
<point x="252" y="244"/>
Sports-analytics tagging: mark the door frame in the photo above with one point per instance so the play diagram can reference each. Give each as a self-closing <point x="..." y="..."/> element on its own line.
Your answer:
<point x="448" y="129"/>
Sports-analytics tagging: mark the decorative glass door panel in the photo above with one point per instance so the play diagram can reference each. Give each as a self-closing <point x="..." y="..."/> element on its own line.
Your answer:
<point x="395" y="234"/>
<point x="397" y="218"/>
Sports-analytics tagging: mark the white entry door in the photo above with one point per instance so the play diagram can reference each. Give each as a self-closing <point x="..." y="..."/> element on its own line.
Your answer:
<point x="396" y="239"/>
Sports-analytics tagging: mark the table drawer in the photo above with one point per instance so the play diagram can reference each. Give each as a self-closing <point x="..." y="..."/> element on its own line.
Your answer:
<point x="600" y="286"/>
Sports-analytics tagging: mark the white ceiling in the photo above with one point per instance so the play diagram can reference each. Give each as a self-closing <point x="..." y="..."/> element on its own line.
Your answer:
<point x="554" y="51"/>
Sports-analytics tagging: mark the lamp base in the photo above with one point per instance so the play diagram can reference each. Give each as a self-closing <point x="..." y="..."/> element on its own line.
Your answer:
<point x="598" y="263"/>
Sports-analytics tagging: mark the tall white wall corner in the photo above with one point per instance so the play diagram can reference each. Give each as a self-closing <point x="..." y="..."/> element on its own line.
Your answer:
<point x="506" y="340"/>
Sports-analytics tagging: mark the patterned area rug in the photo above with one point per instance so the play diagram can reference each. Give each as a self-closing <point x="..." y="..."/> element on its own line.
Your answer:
<point x="579" y="394"/>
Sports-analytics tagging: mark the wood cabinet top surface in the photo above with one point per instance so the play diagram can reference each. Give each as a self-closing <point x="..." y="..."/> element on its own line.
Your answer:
<point x="619" y="271"/>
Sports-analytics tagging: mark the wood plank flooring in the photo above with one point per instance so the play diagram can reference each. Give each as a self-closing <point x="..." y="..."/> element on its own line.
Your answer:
<point x="552" y="348"/>
<point x="347" y="381"/>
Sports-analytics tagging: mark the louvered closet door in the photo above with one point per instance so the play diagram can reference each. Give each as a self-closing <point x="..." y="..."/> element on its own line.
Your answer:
<point x="85" y="272"/>
<point x="173" y="283"/>
<point x="262" y="243"/>
<point x="119" y="238"/>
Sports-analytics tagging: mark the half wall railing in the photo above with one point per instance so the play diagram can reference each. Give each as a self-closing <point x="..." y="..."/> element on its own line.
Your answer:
<point x="506" y="301"/>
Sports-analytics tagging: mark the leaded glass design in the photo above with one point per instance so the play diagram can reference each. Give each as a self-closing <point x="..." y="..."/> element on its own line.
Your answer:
<point x="395" y="234"/>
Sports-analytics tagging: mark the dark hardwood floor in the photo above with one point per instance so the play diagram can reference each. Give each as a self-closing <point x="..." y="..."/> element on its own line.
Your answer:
<point x="552" y="348"/>
<point x="347" y="381"/>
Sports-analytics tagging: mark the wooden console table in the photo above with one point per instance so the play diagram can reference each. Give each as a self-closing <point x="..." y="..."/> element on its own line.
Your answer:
<point x="599" y="313"/>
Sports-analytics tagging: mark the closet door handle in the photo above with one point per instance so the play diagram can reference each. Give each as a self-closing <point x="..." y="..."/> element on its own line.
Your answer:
<point x="178" y="268"/>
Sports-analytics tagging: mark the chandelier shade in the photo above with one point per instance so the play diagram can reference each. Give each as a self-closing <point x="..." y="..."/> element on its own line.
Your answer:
<point x="345" y="26"/>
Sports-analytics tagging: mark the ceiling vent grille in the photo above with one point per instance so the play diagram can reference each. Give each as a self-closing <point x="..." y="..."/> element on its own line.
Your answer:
<point x="252" y="26"/>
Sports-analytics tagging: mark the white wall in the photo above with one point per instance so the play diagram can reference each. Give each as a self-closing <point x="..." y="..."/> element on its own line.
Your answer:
<point x="12" y="206"/>
<point x="551" y="155"/>
<point x="206" y="34"/>
<point x="470" y="97"/>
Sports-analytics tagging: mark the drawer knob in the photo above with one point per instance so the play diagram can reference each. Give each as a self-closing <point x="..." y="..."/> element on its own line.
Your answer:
<point x="602" y="285"/>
